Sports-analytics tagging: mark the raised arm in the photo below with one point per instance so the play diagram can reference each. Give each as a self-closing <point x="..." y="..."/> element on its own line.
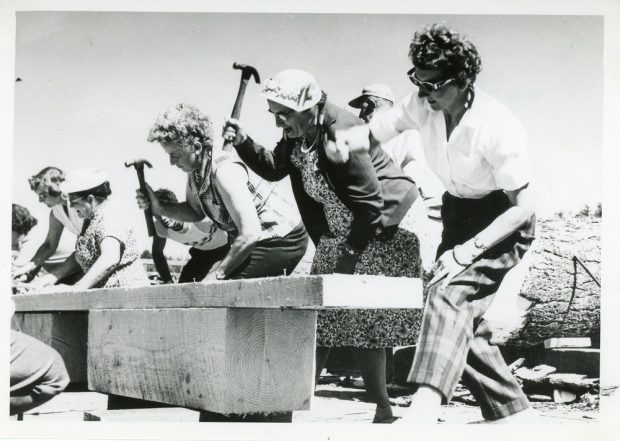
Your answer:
<point x="268" y="164"/>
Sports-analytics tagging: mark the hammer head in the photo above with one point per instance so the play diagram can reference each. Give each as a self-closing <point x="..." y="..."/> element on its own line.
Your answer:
<point x="247" y="71"/>
<point x="138" y="164"/>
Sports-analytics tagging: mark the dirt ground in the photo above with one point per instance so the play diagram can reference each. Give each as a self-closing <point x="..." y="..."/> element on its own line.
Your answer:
<point x="333" y="403"/>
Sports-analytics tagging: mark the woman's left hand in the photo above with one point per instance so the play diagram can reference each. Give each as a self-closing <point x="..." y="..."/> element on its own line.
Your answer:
<point x="337" y="153"/>
<point x="211" y="275"/>
<point x="445" y="268"/>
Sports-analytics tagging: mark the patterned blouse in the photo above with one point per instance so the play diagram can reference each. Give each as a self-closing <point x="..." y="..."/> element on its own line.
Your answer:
<point x="110" y="222"/>
<point x="398" y="256"/>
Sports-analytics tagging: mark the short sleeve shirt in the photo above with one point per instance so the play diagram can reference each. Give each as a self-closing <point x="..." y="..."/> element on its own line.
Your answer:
<point x="203" y="235"/>
<point x="485" y="152"/>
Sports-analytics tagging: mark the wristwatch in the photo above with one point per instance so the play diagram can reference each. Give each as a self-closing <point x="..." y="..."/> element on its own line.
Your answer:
<point x="478" y="244"/>
<point x="349" y="249"/>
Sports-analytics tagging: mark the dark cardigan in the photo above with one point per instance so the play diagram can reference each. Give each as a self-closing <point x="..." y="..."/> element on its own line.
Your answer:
<point x="376" y="191"/>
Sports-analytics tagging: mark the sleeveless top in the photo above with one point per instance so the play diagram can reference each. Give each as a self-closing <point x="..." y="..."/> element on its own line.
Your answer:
<point x="277" y="215"/>
<point x="71" y="221"/>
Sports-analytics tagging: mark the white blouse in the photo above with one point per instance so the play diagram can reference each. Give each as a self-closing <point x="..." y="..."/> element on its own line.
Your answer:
<point x="485" y="152"/>
<point x="71" y="221"/>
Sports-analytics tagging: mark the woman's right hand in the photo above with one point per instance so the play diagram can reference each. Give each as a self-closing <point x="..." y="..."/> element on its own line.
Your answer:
<point x="43" y="281"/>
<point x="233" y="132"/>
<point x="148" y="200"/>
<point x="19" y="271"/>
<point x="349" y="142"/>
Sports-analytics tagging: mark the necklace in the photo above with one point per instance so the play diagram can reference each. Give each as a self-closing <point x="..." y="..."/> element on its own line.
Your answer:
<point x="306" y="149"/>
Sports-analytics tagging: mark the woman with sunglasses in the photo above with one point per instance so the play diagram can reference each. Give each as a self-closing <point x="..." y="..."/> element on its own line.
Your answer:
<point x="354" y="213"/>
<point x="478" y="149"/>
<point x="106" y="249"/>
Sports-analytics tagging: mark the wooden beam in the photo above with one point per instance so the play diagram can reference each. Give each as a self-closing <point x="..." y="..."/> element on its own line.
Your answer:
<point x="220" y="360"/>
<point x="66" y="332"/>
<point x="304" y="292"/>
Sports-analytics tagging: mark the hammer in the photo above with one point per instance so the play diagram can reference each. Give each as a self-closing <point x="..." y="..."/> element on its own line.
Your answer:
<point x="139" y="164"/>
<point x="247" y="72"/>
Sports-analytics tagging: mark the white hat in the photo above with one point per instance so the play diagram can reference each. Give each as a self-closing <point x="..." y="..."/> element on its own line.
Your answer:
<point x="83" y="179"/>
<point x="293" y="88"/>
<point x="379" y="90"/>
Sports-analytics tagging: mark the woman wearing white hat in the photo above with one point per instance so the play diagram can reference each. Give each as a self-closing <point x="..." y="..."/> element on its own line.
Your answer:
<point x="106" y="249"/>
<point x="354" y="213"/>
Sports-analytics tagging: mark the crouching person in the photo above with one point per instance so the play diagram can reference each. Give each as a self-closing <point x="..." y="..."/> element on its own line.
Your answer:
<point x="38" y="373"/>
<point x="106" y="250"/>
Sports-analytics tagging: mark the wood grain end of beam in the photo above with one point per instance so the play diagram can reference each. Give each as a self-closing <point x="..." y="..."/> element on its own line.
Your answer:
<point x="363" y="291"/>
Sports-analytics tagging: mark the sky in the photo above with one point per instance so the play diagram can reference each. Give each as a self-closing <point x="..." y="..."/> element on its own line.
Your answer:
<point x="94" y="82"/>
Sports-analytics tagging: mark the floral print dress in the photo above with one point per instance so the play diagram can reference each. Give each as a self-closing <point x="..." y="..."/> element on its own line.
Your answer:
<point x="397" y="256"/>
<point x="109" y="222"/>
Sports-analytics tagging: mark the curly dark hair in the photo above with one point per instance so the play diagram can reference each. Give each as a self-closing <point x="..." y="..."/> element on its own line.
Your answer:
<point x="49" y="179"/>
<point x="165" y="195"/>
<point x="185" y="125"/>
<point x="22" y="221"/>
<point x="439" y="47"/>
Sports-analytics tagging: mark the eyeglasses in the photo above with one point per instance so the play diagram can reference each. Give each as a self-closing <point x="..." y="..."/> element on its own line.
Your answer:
<point x="428" y="86"/>
<point x="282" y="115"/>
<point x="370" y="106"/>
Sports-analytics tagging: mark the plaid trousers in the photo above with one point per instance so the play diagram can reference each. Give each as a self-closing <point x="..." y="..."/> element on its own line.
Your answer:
<point x="454" y="337"/>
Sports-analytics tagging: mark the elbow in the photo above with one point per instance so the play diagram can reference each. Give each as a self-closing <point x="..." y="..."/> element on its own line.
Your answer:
<point x="109" y="261"/>
<point x="526" y="214"/>
<point x="249" y="238"/>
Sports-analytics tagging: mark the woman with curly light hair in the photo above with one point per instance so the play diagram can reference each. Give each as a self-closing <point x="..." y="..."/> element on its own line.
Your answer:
<point x="46" y="184"/>
<point x="264" y="229"/>
<point x="478" y="149"/>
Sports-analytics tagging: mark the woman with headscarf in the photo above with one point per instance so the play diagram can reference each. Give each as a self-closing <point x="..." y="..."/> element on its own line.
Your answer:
<point x="353" y="212"/>
<point x="478" y="149"/>
<point x="265" y="233"/>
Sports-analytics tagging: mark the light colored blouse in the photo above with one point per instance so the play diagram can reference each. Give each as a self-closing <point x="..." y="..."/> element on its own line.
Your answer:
<point x="70" y="221"/>
<point x="485" y="152"/>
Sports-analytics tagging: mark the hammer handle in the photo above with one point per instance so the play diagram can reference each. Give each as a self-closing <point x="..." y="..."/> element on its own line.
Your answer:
<point x="148" y="213"/>
<point x="236" y="113"/>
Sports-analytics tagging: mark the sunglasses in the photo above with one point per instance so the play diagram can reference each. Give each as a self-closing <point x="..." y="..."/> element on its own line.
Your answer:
<point x="72" y="201"/>
<point x="428" y="86"/>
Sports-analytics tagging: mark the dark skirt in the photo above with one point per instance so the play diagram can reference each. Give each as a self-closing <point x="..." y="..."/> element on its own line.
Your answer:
<point x="464" y="218"/>
<point x="274" y="257"/>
